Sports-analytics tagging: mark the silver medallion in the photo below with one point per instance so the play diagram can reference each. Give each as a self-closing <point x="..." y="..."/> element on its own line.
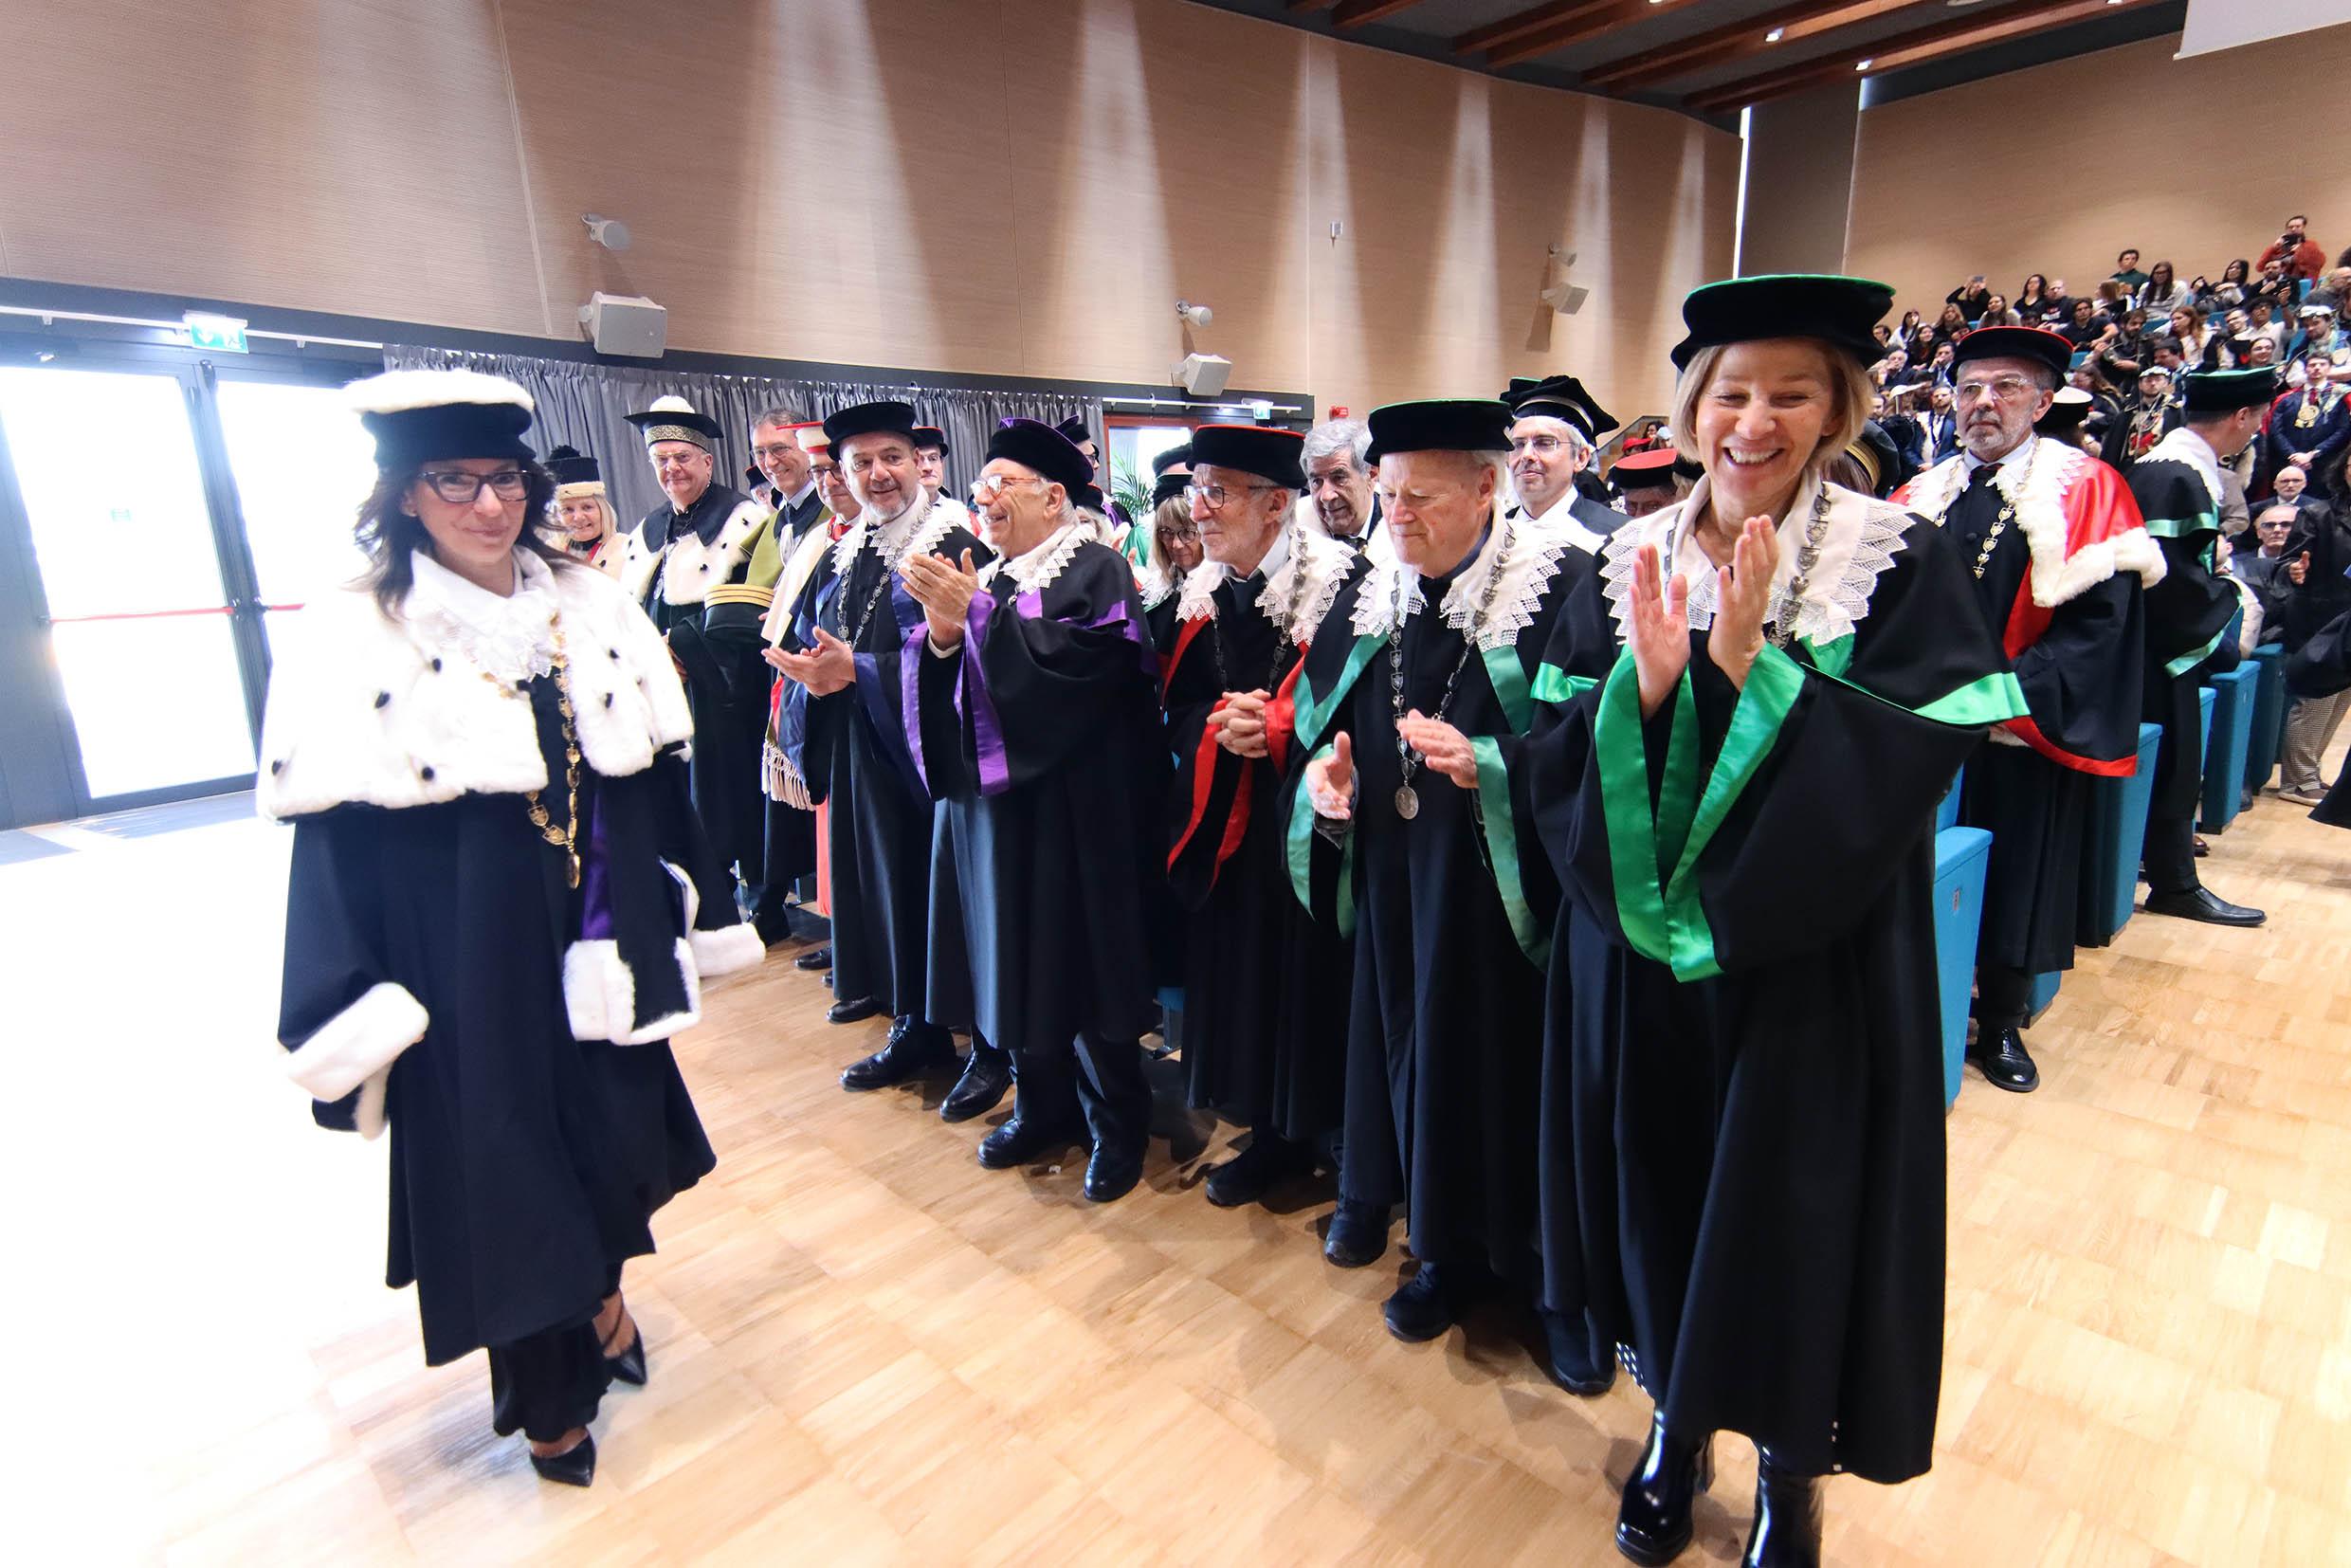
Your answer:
<point x="1407" y="802"/>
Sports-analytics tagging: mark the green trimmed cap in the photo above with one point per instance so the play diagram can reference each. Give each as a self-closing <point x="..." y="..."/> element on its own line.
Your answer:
<point x="1838" y="311"/>
<point x="2224" y="391"/>
<point x="1561" y="397"/>
<point x="1439" y="424"/>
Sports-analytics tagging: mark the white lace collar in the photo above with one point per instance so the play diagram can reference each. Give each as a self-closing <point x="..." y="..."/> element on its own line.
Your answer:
<point x="1034" y="569"/>
<point x="511" y="637"/>
<point x="1518" y="557"/>
<point x="2182" y="444"/>
<point x="1201" y="582"/>
<point x="907" y="534"/>
<point x="1312" y="575"/>
<point x="1863" y="535"/>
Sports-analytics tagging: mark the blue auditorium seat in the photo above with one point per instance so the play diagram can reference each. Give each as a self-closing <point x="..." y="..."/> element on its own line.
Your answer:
<point x="2261" y="756"/>
<point x="2228" y="739"/>
<point x="1961" y="855"/>
<point x="2115" y="835"/>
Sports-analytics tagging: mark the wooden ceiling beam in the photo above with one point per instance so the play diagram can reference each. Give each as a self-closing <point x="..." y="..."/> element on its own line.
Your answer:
<point x="1518" y="24"/>
<point x="1902" y="50"/>
<point x="1354" y="13"/>
<point x="1595" y="22"/>
<point x="1721" y="45"/>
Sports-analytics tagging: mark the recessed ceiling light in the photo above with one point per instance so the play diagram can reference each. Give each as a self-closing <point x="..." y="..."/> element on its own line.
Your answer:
<point x="1863" y="65"/>
<point x="1774" y="35"/>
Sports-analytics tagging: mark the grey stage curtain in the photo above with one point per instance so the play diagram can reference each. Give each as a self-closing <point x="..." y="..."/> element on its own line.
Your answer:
<point x="583" y="405"/>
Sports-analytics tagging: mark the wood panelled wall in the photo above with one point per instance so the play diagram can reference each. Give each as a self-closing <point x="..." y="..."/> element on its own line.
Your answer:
<point x="2056" y="168"/>
<point x="1011" y="187"/>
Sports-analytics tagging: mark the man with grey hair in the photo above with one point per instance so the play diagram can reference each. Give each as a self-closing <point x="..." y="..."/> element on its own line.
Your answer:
<point x="2059" y="554"/>
<point x="1339" y="481"/>
<point x="1553" y="425"/>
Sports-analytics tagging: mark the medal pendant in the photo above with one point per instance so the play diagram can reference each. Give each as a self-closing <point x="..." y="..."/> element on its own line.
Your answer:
<point x="1407" y="802"/>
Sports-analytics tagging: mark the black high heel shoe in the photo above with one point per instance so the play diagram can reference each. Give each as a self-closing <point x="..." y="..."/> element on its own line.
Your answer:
<point x="629" y="1365"/>
<point x="574" y="1467"/>
<point x="1653" y="1521"/>
<point x="1788" y="1516"/>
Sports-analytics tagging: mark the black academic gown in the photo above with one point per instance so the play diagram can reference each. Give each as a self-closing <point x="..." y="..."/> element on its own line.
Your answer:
<point x="719" y="649"/>
<point x="2081" y="677"/>
<point x="851" y="749"/>
<point x="1040" y="740"/>
<point x="525" y="1164"/>
<point x="1265" y="985"/>
<point x="1449" y="913"/>
<point x="2187" y="614"/>
<point x="1749" y="1196"/>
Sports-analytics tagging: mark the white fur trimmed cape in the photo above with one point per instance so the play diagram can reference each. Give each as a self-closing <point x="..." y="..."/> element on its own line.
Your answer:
<point x="373" y="714"/>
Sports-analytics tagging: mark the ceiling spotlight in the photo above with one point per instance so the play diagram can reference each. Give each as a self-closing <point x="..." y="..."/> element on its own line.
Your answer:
<point x="609" y="232"/>
<point x="1198" y="316"/>
<point x="1774" y="35"/>
<point x="1863" y="65"/>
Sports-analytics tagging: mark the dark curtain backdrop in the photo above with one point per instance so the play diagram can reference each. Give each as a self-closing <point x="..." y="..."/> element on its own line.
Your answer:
<point x="583" y="405"/>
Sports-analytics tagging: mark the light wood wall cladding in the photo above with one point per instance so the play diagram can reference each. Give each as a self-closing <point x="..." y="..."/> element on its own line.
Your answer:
<point x="1015" y="187"/>
<point x="2056" y="168"/>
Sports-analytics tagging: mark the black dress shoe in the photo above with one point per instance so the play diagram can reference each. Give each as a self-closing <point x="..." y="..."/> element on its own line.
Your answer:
<point x="1653" y="1521"/>
<point x="852" y="1013"/>
<point x="1787" y="1518"/>
<point x="987" y="1078"/>
<point x="2202" y="904"/>
<point x="1112" y="1172"/>
<point x="913" y="1052"/>
<point x="1573" y="1361"/>
<point x="1434" y="1299"/>
<point x="1359" y="1234"/>
<point x="1257" y="1170"/>
<point x="815" y="959"/>
<point x="574" y="1467"/>
<point x="1021" y="1142"/>
<point x="2000" y="1055"/>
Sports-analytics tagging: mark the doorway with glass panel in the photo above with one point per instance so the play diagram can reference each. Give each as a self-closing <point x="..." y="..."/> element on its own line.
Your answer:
<point x="159" y="516"/>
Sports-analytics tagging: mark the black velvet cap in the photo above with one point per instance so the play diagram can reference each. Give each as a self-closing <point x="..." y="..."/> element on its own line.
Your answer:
<point x="2066" y="411"/>
<point x="884" y="418"/>
<point x="1838" y="311"/>
<point x="927" y="436"/>
<point x="2038" y="344"/>
<point x="1180" y="452"/>
<point x="675" y="419"/>
<point x="1881" y="458"/>
<point x="1561" y="397"/>
<point x="569" y="466"/>
<point x="1168" y="487"/>
<point x="1272" y="455"/>
<point x="1440" y="425"/>
<point x="2223" y="392"/>
<point x="1650" y="471"/>
<point x="418" y="416"/>
<point x="1073" y="430"/>
<point x="1086" y="497"/>
<point x="1043" y="450"/>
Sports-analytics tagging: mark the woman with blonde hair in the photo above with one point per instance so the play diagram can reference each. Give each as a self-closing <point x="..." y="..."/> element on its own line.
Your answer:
<point x="583" y="520"/>
<point x="1742" y="1139"/>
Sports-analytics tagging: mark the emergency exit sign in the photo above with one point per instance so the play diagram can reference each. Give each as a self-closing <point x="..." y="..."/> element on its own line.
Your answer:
<point x="221" y="333"/>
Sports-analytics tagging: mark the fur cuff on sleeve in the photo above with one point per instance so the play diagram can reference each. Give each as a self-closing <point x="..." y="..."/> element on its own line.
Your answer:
<point x="600" y="995"/>
<point x="725" y="950"/>
<point x="357" y="1047"/>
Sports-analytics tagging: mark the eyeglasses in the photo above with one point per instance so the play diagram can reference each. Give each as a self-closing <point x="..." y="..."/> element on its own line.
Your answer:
<point x="2007" y="388"/>
<point x="1542" y="446"/>
<point x="1216" y="495"/>
<point x="769" y="454"/>
<point x="986" y="485"/>
<point x="462" y="489"/>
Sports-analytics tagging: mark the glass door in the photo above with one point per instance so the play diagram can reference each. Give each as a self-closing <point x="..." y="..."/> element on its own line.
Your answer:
<point x="140" y="619"/>
<point x="302" y="464"/>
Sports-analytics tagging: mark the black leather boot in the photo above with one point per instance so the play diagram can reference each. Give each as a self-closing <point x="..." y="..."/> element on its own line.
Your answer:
<point x="1787" y="1518"/>
<point x="1653" y="1521"/>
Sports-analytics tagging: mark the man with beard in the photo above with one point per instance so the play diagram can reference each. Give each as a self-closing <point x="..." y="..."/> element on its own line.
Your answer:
<point x="1339" y="483"/>
<point x="2059" y="556"/>
<point x="1265" y="1035"/>
<point x="2179" y="488"/>
<point x="841" y="743"/>
<point x="703" y="566"/>
<point x="1554" y="424"/>
<point x="1034" y="721"/>
<point x="1414" y="707"/>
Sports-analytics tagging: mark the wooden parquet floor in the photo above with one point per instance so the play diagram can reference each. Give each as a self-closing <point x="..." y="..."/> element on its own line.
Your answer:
<point x="866" y="1349"/>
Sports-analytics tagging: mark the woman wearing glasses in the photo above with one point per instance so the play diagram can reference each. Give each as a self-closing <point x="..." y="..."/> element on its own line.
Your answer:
<point x="500" y="905"/>
<point x="1742" y="1148"/>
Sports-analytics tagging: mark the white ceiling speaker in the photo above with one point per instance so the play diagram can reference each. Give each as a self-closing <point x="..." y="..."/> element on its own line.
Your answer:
<point x="624" y="324"/>
<point x="1198" y="316"/>
<point x="1203" y="375"/>
<point x="1563" y="297"/>
<point x="609" y="232"/>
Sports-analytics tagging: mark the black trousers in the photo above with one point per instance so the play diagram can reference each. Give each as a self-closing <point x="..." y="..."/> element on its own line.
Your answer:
<point x="1099" y="1078"/>
<point x="2170" y="855"/>
<point x="551" y="1382"/>
<point x="2003" y="996"/>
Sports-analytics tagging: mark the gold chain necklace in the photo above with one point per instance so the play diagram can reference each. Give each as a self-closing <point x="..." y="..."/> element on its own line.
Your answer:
<point x="565" y="838"/>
